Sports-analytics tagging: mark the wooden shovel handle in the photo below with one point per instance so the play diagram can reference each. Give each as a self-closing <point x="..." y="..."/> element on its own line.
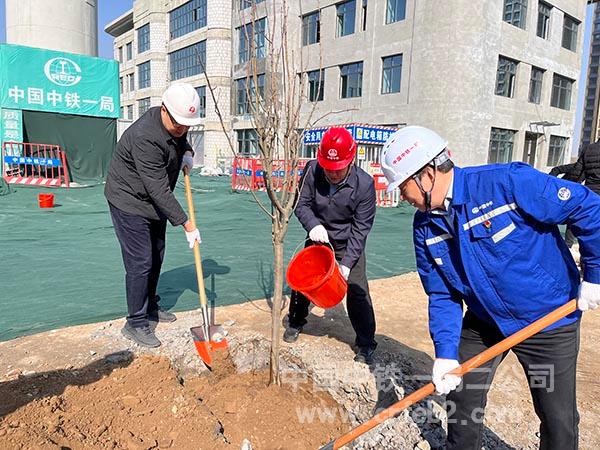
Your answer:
<point x="464" y="368"/>
<point x="192" y="219"/>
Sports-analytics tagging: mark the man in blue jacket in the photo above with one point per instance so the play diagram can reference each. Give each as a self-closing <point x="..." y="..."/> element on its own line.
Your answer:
<point x="336" y="206"/>
<point x="488" y="237"/>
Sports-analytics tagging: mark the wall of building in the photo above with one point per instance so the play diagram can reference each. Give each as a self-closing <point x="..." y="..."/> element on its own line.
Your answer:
<point x="450" y="58"/>
<point x="212" y="142"/>
<point x="450" y="53"/>
<point x="63" y="25"/>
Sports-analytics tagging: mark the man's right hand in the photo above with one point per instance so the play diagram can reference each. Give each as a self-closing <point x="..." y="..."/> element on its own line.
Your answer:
<point x="444" y="383"/>
<point x="319" y="234"/>
<point x="191" y="234"/>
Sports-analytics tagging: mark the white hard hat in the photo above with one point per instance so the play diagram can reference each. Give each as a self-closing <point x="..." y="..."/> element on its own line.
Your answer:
<point x="407" y="151"/>
<point x="183" y="103"/>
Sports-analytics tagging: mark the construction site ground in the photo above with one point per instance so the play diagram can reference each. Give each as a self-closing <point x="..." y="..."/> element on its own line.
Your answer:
<point x="87" y="387"/>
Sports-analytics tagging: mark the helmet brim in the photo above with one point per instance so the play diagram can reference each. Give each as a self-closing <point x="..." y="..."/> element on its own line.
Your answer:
<point x="334" y="165"/>
<point x="186" y="121"/>
<point x="393" y="186"/>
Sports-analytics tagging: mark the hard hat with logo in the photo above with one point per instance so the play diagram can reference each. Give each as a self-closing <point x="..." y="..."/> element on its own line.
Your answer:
<point x="183" y="103"/>
<point x="337" y="149"/>
<point x="407" y="151"/>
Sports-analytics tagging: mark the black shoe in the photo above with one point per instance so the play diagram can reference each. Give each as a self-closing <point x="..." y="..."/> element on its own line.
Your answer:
<point x="143" y="336"/>
<point x="365" y="355"/>
<point x="160" y="315"/>
<point x="291" y="334"/>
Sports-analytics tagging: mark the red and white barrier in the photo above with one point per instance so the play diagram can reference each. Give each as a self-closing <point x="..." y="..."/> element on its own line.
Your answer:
<point x="26" y="163"/>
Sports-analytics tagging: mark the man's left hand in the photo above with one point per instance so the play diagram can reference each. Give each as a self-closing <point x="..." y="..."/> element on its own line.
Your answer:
<point x="345" y="272"/>
<point x="589" y="296"/>
<point x="188" y="161"/>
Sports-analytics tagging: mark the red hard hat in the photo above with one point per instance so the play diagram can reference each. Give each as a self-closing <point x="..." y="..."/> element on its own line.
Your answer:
<point x="337" y="149"/>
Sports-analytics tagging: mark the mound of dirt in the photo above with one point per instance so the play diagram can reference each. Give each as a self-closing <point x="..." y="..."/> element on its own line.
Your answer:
<point x="140" y="404"/>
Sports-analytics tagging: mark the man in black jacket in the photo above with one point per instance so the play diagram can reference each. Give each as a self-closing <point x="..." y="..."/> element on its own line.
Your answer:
<point x="139" y="189"/>
<point x="587" y="167"/>
<point x="337" y="205"/>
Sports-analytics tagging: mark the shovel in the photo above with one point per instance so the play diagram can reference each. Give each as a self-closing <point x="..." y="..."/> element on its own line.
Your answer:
<point x="209" y="337"/>
<point x="464" y="368"/>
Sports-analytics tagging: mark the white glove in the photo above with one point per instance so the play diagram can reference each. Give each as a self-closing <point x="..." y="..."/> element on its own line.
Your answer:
<point x="188" y="161"/>
<point x="192" y="237"/>
<point x="589" y="296"/>
<point x="447" y="383"/>
<point x="345" y="271"/>
<point x="319" y="234"/>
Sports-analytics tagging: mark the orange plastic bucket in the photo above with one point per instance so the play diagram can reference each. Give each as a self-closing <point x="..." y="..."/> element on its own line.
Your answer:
<point x="46" y="200"/>
<point x="315" y="273"/>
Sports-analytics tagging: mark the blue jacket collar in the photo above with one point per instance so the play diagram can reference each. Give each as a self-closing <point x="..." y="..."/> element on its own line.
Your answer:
<point x="460" y="191"/>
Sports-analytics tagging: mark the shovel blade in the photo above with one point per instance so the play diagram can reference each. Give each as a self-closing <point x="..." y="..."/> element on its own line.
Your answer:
<point x="206" y="346"/>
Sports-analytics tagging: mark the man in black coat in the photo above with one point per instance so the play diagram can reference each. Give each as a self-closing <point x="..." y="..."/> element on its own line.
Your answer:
<point x="587" y="167"/>
<point x="336" y="206"/>
<point x="139" y="188"/>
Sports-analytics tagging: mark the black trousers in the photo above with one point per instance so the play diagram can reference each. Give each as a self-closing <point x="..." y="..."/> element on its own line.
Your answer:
<point x="143" y="247"/>
<point x="358" y="302"/>
<point x="549" y="360"/>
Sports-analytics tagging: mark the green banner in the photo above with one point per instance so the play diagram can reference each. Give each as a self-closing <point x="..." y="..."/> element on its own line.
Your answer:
<point x="11" y="125"/>
<point x="45" y="80"/>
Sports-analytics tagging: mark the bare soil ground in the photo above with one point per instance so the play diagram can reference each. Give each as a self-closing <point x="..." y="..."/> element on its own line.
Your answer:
<point x="140" y="404"/>
<point x="87" y="387"/>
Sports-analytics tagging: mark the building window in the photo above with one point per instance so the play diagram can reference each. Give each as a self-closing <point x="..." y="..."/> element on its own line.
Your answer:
<point x="364" y="15"/>
<point x="120" y="53"/>
<point x="131" y="82"/>
<point x="351" y="75"/>
<point x="346" y="16"/>
<point x="130" y="112"/>
<point x="535" y="85"/>
<point x="506" y="77"/>
<point x="392" y="74"/>
<point x="143" y="34"/>
<point x="501" y="145"/>
<point x="187" y="61"/>
<point x="252" y="39"/>
<point x="569" y="37"/>
<point x="247" y="142"/>
<point x="543" y="25"/>
<point x="561" y="92"/>
<point x="316" y="85"/>
<point x="248" y="3"/>
<point x="556" y="150"/>
<point x="201" y="90"/>
<point x="311" y="28"/>
<point x="121" y="85"/>
<point x="129" y="48"/>
<point x="246" y="94"/>
<point x="144" y="75"/>
<point x="515" y="12"/>
<point x="188" y="17"/>
<point x="122" y="113"/>
<point x="143" y="106"/>
<point x="395" y="11"/>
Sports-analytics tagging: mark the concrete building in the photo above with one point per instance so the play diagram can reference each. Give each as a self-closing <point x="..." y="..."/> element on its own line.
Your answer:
<point x="497" y="78"/>
<point x="62" y="25"/>
<point x="590" y="125"/>
<point x="160" y="41"/>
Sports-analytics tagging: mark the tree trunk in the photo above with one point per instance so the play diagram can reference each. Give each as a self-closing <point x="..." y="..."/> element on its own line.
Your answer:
<point x="278" y="270"/>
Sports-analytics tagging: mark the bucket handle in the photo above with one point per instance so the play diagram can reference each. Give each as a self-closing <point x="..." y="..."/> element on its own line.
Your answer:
<point x="317" y="243"/>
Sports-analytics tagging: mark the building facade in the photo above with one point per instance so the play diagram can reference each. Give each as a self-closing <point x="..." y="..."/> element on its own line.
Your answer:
<point x="498" y="78"/>
<point x="159" y="42"/>
<point x="590" y="125"/>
